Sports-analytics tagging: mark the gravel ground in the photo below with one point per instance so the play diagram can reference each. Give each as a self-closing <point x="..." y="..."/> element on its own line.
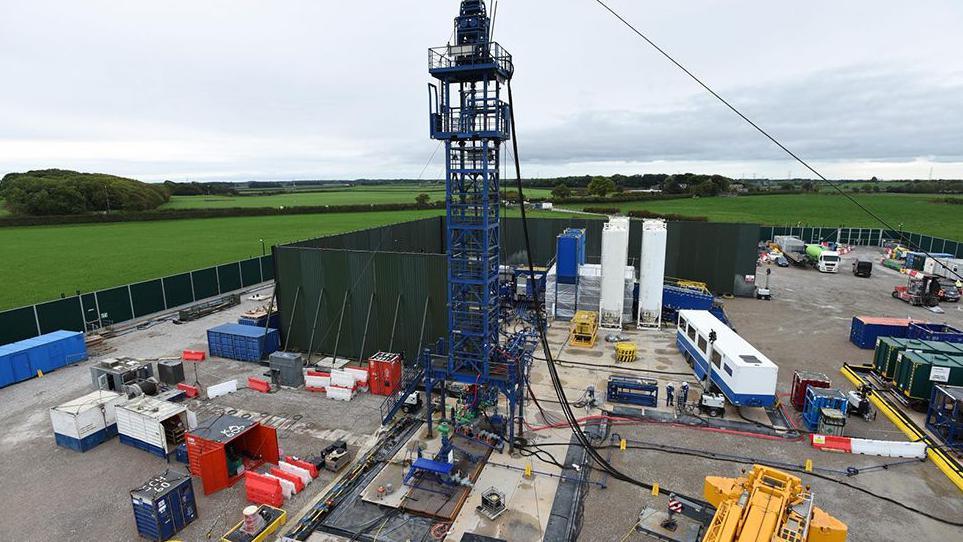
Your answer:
<point x="51" y="493"/>
<point x="806" y="325"/>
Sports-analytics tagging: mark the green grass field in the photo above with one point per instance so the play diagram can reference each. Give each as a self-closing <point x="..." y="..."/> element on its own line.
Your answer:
<point x="917" y="213"/>
<point x="401" y="193"/>
<point x="43" y="261"/>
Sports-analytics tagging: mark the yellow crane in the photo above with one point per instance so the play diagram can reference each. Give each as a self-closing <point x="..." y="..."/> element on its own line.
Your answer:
<point x="767" y="505"/>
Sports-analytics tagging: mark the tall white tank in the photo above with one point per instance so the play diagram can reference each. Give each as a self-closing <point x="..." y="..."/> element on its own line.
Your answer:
<point x="651" y="273"/>
<point x="615" y="253"/>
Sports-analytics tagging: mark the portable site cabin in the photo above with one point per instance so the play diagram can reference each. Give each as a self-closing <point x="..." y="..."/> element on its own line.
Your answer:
<point x="86" y="421"/>
<point x="222" y="448"/>
<point x="153" y="425"/>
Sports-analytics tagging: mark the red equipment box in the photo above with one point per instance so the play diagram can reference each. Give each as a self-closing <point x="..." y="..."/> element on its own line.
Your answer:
<point x="220" y="446"/>
<point x="384" y="373"/>
<point x="801" y="381"/>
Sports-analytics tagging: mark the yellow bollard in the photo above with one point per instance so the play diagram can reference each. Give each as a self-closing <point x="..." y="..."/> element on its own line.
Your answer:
<point x="622" y="445"/>
<point x="655" y="489"/>
<point x="809" y="465"/>
<point x="528" y="470"/>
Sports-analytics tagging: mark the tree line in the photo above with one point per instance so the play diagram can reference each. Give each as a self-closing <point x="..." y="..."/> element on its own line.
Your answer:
<point x="62" y="192"/>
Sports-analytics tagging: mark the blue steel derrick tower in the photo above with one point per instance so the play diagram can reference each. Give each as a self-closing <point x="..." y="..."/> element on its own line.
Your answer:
<point x="468" y="113"/>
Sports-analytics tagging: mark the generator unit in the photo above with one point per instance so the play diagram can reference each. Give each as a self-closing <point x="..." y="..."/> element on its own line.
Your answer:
<point x="117" y="374"/>
<point x="632" y="390"/>
<point x="288" y="368"/>
<point x="945" y="415"/>
<point x="170" y="371"/>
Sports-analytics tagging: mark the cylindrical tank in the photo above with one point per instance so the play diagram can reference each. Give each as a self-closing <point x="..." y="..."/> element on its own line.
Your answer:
<point x="615" y="253"/>
<point x="813" y="251"/>
<point x="651" y="272"/>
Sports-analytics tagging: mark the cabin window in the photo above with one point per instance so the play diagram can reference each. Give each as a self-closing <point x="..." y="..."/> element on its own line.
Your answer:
<point x="692" y="333"/>
<point x="716" y="358"/>
<point x="728" y="369"/>
<point x="682" y="323"/>
<point x="702" y="343"/>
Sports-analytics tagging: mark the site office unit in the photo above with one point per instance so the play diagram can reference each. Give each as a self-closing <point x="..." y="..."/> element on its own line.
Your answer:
<point x="152" y="425"/>
<point x="222" y="448"/>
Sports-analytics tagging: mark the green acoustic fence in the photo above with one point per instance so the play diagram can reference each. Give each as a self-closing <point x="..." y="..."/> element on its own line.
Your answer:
<point x="93" y="310"/>
<point x="354" y="303"/>
<point x="865" y="236"/>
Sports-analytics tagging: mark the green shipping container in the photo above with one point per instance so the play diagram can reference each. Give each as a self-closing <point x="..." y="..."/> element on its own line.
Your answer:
<point x="884" y="357"/>
<point x="895" y="366"/>
<point x="922" y="370"/>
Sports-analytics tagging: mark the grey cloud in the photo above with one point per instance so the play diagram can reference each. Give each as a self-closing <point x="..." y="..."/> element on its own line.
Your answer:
<point x="853" y="114"/>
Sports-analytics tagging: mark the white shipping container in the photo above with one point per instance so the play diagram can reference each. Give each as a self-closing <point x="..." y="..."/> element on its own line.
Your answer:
<point x="142" y="419"/>
<point x="651" y="272"/>
<point x="86" y="415"/>
<point x="950" y="265"/>
<point x="615" y="252"/>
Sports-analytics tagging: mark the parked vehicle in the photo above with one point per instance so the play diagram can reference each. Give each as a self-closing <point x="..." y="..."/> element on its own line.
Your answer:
<point x="863" y="268"/>
<point x="948" y="291"/>
<point x="823" y="259"/>
<point x="920" y="290"/>
<point x="781" y="261"/>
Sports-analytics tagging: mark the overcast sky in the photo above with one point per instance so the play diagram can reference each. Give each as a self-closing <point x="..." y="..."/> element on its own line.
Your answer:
<point x="283" y="89"/>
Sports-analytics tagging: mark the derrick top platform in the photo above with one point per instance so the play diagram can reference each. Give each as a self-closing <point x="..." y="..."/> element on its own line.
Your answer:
<point x="470" y="62"/>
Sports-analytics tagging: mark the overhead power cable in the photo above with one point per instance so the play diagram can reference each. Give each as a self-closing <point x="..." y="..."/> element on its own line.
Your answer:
<point x="903" y="238"/>
<point x="539" y="324"/>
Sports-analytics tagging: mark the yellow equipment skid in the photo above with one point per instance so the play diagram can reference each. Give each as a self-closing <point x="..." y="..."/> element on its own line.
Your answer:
<point x="767" y="505"/>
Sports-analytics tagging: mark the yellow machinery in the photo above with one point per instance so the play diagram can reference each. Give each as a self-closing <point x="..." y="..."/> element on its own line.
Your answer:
<point x="264" y="521"/>
<point x="688" y="284"/>
<point x="626" y="352"/>
<point x="585" y="327"/>
<point x="767" y="505"/>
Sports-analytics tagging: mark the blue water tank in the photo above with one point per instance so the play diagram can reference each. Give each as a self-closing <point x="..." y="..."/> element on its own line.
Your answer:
<point x="569" y="255"/>
<point x="21" y="360"/>
<point x="241" y="342"/>
<point x="164" y="505"/>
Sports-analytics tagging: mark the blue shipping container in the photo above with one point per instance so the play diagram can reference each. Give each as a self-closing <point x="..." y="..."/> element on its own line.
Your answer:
<point x="21" y="360"/>
<point x="273" y="322"/>
<point x="934" y="332"/>
<point x="865" y="330"/>
<point x="164" y="505"/>
<point x="243" y="343"/>
<point x="569" y="255"/>
<point x="676" y="298"/>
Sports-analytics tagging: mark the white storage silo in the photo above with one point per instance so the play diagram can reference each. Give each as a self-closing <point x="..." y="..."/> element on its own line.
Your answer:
<point x="615" y="253"/>
<point x="651" y="273"/>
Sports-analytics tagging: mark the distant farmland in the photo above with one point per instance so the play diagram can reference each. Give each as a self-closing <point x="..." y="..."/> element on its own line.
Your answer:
<point x="916" y="212"/>
<point x="401" y="193"/>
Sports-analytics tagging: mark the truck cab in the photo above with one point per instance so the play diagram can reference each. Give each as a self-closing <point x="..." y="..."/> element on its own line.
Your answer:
<point x="828" y="262"/>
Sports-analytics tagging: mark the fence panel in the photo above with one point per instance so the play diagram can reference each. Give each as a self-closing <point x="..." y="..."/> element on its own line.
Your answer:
<point x="18" y="324"/>
<point x="228" y="277"/>
<point x="250" y="271"/>
<point x="205" y="283"/>
<point x="115" y="304"/>
<point x="147" y="297"/>
<point x="177" y="290"/>
<point x="61" y="314"/>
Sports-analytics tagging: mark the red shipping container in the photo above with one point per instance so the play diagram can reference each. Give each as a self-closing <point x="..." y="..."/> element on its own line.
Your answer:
<point x="801" y="381"/>
<point x="217" y="440"/>
<point x="384" y="373"/>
